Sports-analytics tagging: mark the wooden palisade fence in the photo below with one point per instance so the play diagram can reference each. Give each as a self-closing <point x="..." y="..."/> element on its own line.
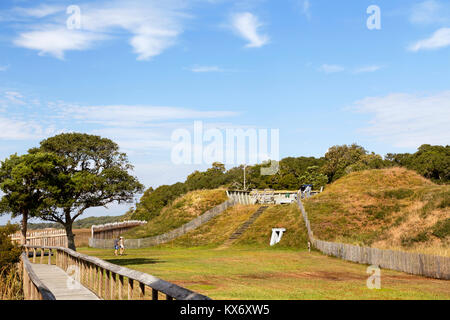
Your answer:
<point x="414" y="263"/>
<point x="113" y="230"/>
<point x="53" y="237"/>
<point x="109" y="281"/>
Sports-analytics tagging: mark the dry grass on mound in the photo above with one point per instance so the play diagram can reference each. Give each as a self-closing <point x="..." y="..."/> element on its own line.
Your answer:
<point x="218" y="230"/>
<point x="179" y="212"/>
<point x="388" y="208"/>
<point x="278" y="216"/>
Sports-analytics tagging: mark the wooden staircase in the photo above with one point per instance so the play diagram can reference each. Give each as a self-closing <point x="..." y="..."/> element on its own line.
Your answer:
<point x="239" y="231"/>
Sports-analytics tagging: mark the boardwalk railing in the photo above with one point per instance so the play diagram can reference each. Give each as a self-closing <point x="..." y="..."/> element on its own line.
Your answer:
<point x="113" y="230"/>
<point x="33" y="288"/>
<point x="53" y="237"/>
<point x="112" y="282"/>
<point x="409" y="262"/>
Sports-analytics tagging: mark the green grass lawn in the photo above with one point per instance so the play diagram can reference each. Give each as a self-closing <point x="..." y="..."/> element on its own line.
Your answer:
<point x="270" y="273"/>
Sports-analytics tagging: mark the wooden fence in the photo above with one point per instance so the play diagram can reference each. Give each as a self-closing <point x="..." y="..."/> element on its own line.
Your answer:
<point x="414" y="263"/>
<point x="113" y="230"/>
<point x="49" y="237"/>
<point x="109" y="281"/>
<point x="168" y="236"/>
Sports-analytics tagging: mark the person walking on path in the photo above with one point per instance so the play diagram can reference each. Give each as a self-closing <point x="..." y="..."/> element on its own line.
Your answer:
<point x="121" y="245"/>
<point x="116" y="246"/>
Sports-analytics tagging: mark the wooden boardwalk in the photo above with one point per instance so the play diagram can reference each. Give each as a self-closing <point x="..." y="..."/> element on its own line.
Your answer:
<point x="61" y="285"/>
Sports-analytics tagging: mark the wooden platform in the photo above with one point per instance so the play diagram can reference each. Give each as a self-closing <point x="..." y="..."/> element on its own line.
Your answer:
<point x="61" y="285"/>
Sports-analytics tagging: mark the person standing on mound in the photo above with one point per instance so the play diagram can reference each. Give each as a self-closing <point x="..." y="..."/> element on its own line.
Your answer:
<point x="116" y="246"/>
<point x="122" y="246"/>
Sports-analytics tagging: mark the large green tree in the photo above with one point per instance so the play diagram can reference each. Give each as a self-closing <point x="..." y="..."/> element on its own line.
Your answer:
<point x="338" y="158"/>
<point x="27" y="182"/>
<point x="95" y="175"/>
<point x="433" y="162"/>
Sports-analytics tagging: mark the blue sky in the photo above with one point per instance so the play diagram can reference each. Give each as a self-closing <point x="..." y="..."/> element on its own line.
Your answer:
<point x="135" y="71"/>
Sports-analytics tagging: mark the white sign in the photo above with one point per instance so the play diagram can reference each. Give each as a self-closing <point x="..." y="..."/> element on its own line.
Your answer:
<point x="277" y="233"/>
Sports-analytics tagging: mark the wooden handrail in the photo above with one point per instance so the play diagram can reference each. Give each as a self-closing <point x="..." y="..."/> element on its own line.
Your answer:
<point x="106" y="278"/>
<point x="33" y="288"/>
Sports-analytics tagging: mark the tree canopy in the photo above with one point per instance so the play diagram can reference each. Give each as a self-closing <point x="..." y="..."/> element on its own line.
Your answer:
<point x="27" y="182"/>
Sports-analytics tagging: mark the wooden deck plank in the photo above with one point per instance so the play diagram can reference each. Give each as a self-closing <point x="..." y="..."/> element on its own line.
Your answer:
<point x="57" y="281"/>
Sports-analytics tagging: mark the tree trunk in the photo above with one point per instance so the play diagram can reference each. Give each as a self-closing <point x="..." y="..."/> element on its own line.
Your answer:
<point x="24" y="227"/>
<point x="70" y="236"/>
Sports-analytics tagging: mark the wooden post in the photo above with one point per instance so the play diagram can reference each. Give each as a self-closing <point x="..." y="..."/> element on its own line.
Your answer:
<point x="154" y="294"/>
<point x="91" y="273"/>
<point x="141" y="291"/>
<point x="42" y="256"/>
<point x="49" y="256"/>
<point x="99" y="282"/>
<point x="95" y="283"/>
<point x="34" y="255"/>
<point x="120" y="287"/>
<point x="113" y="286"/>
<point x="130" y="289"/>
<point x="107" y="283"/>
<point x="26" y="289"/>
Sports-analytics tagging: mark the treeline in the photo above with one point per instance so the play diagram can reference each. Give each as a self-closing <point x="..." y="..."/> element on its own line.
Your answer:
<point x="433" y="162"/>
<point x="85" y="223"/>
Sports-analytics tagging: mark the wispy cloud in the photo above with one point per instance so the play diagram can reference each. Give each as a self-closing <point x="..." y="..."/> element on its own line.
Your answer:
<point x="247" y="25"/>
<point x="430" y="12"/>
<point x="331" y="68"/>
<point x="206" y="69"/>
<point x="57" y="41"/>
<point x="4" y="68"/>
<point x="40" y="11"/>
<point x="408" y="120"/>
<point x="367" y="69"/>
<point x="128" y="115"/>
<point x="440" y="39"/>
<point x="306" y="8"/>
<point x="153" y="27"/>
<point x="14" y="97"/>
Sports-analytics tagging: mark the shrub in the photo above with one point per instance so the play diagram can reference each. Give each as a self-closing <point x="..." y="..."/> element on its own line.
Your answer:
<point x="441" y="229"/>
<point x="10" y="276"/>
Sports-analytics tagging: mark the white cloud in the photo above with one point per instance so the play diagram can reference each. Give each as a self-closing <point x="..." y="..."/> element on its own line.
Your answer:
<point x="429" y="12"/>
<point x="440" y="39"/>
<point x="56" y="41"/>
<point x="153" y="26"/>
<point x="4" y="68"/>
<point x="206" y="69"/>
<point x="12" y="129"/>
<point x="408" y="120"/>
<point x="306" y="8"/>
<point x="14" y="97"/>
<point x="247" y="25"/>
<point x="39" y="11"/>
<point x="124" y="115"/>
<point x="331" y="68"/>
<point x="367" y="69"/>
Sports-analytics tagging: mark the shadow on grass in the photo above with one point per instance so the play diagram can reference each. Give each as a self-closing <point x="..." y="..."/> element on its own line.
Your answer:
<point x="134" y="261"/>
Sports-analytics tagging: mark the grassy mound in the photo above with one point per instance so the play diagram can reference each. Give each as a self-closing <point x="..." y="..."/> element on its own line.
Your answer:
<point x="279" y="216"/>
<point x="179" y="212"/>
<point x="218" y="230"/>
<point x="388" y="208"/>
